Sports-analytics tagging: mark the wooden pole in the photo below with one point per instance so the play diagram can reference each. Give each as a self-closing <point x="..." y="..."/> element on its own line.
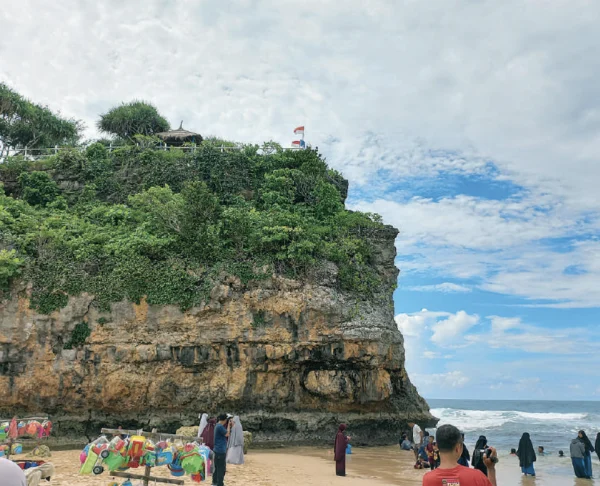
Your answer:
<point x="146" y="478"/>
<point x="152" y="434"/>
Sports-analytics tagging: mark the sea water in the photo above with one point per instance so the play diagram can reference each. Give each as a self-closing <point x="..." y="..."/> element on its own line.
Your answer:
<point x="551" y="424"/>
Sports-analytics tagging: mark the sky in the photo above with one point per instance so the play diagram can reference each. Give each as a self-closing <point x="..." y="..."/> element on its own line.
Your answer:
<point x="471" y="126"/>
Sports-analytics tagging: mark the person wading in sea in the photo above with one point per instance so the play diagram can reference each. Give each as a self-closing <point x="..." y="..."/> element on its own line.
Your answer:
<point x="526" y="455"/>
<point x="450" y="444"/>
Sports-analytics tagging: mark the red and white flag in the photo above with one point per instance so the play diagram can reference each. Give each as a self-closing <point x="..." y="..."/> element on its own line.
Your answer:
<point x="299" y="143"/>
<point x="299" y="131"/>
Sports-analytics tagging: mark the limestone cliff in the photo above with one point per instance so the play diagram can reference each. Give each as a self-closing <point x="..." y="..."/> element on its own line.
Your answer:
<point x="293" y="359"/>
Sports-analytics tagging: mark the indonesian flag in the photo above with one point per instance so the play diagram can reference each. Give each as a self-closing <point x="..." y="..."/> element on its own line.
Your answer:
<point x="299" y="131"/>
<point x="299" y="143"/>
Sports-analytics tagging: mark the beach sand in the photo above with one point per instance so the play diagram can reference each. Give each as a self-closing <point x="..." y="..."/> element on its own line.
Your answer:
<point x="383" y="466"/>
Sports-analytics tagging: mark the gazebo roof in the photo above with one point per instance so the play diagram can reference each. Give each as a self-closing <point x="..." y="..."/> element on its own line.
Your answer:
<point x="179" y="135"/>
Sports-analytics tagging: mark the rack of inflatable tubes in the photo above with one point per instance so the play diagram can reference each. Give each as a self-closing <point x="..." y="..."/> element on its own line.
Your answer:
<point x="131" y="449"/>
<point x="33" y="428"/>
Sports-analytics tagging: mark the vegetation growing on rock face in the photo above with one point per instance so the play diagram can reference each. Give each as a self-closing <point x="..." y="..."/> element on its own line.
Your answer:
<point x="138" y="221"/>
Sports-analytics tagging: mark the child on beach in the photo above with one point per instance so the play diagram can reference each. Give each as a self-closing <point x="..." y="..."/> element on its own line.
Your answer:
<point x="429" y="451"/>
<point x="436" y="456"/>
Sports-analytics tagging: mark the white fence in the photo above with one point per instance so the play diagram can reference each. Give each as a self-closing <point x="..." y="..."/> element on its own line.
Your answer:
<point x="42" y="153"/>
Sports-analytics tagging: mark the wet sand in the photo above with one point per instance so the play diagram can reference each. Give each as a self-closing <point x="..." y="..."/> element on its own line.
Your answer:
<point x="384" y="466"/>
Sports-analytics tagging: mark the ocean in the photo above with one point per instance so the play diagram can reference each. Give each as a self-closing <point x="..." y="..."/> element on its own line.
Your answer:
<point x="551" y="424"/>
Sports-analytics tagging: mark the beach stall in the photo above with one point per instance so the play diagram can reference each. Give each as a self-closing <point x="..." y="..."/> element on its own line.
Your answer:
<point x="133" y="449"/>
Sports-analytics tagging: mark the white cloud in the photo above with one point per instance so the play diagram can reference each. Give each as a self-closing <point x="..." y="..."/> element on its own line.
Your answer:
<point x="446" y="287"/>
<point x="449" y="330"/>
<point x="512" y="333"/>
<point x="451" y="379"/>
<point x="413" y="325"/>
<point x="505" y="244"/>
<point x="444" y="332"/>
<point x="431" y="354"/>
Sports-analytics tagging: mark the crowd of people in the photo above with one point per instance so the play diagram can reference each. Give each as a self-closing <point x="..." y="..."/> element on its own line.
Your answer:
<point x="451" y="463"/>
<point x="428" y="453"/>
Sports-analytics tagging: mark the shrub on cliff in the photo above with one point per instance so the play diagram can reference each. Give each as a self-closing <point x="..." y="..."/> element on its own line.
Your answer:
<point x="136" y="221"/>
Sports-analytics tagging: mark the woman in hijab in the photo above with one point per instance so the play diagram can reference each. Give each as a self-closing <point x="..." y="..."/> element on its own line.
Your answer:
<point x="235" y="445"/>
<point x="597" y="445"/>
<point x="465" y="457"/>
<point x="339" y="449"/>
<point x="589" y="448"/>
<point x="203" y="423"/>
<point x="478" y="463"/>
<point x="577" y="449"/>
<point x="208" y="434"/>
<point x="526" y="455"/>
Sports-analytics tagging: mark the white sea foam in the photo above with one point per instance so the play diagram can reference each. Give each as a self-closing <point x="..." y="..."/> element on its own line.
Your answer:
<point x="468" y="420"/>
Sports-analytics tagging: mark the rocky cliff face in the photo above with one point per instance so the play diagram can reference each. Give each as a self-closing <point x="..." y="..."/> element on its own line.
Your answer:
<point x="292" y="359"/>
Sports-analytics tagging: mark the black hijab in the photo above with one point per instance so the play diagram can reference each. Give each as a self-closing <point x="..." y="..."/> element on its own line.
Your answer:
<point x="465" y="453"/>
<point x="525" y="451"/>
<point x="597" y="444"/>
<point x="477" y="456"/>
<point x="589" y="448"/>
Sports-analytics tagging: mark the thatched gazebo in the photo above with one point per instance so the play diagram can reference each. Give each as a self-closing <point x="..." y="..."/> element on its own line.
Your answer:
<point x="176" y="138"/>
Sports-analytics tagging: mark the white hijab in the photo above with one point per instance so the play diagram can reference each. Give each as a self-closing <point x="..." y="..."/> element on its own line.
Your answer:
<point x="203" y="423"/>
<point x="236" y="436"/>
<point x="11" y="474"/>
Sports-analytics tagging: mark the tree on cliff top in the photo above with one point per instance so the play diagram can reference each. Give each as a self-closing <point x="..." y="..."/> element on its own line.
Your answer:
<point x="167" y="225"/>
<point x="134" y="118"/>
<point x="26" y="124"/>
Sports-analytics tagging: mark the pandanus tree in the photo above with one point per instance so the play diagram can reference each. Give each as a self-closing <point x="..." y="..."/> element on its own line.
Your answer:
<point x="134" y="118"/>
<point x="24" y="124"/>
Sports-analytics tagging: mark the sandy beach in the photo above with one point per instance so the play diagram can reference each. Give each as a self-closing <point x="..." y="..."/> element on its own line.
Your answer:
<point x="314" y="467"/>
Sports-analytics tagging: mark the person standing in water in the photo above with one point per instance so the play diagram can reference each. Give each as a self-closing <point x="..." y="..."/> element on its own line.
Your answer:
<point x="526" y="455"/>
<point x="577" y="449"/>
<point x="465" y="457"/>
<point x="478" y="462"/>
<point x="589" y="448"/>
<point x="339" y="450"/>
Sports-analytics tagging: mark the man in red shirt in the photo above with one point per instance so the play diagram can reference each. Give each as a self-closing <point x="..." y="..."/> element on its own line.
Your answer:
<point x="449" y="473"/>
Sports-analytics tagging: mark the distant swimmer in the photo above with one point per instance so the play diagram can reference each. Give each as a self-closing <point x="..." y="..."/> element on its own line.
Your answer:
<point x="541" y="450"/>
<point x="561" y="454"/>
<point x="513" y="452"/>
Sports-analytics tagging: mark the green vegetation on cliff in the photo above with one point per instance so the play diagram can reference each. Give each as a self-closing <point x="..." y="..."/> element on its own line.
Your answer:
<point x="141" y="221"/>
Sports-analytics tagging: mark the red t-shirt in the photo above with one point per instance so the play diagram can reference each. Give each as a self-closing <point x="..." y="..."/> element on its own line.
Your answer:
<point x="457" y="476"/>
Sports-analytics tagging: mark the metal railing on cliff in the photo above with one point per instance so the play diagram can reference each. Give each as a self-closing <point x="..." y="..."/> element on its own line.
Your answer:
<point x="42" y="153"/>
